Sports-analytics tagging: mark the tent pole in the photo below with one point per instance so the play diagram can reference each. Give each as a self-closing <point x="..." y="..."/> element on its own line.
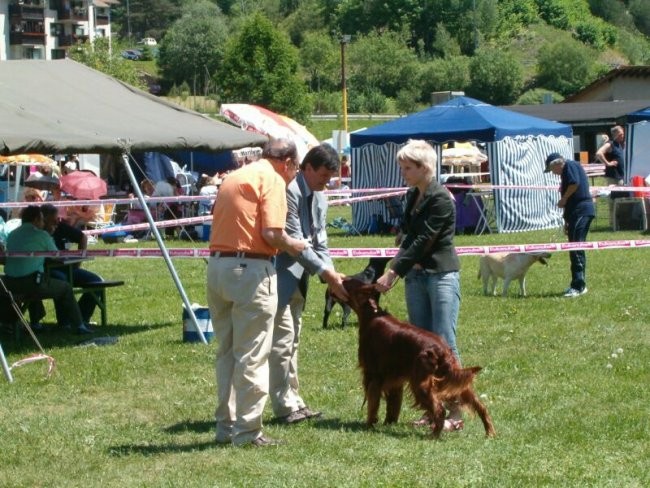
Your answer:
<point x="19" y="173"/>
<point x="161" y="245"/>
<point x="5" y="366"/>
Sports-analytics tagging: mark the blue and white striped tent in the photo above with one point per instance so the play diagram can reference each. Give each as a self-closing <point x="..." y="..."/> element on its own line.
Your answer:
<point x="517" y="146"/>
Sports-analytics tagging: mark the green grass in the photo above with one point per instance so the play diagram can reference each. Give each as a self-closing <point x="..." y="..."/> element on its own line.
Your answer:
<point x="140" y="413"/>
<point x="322" y="129"/>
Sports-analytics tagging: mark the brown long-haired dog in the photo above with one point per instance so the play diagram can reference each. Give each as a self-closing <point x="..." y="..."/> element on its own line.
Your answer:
<point x="392" y="353"/>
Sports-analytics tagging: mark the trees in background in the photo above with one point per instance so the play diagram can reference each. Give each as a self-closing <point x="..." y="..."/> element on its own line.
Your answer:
<point x="400" y="51"/>
<point x="564" y="67"/>
<point x="495" y="77"/>
<point x="98" y="56"/>
<point x="261" y="66"/>
<point x="146" y="18"/>
<point x="192" y="49"/>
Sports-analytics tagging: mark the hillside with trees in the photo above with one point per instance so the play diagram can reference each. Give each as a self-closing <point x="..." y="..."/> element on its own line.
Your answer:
<point x="286" y="54"/>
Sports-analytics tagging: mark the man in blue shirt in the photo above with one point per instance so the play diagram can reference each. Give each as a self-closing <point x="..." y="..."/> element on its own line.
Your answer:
<point x="578" y="205"/>
<point x="26" y="275"/>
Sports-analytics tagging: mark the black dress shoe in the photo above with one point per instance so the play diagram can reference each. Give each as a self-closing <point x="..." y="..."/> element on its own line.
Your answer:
<point x="84" y="329"/>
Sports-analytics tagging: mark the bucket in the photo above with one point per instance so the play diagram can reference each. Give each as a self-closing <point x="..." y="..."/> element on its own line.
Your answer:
<point x="205" y="236"/>
<point x="202" y="315"/>
<point x="638" y="181"/>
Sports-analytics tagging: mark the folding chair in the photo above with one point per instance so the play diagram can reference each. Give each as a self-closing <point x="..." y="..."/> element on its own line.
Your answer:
<point x="105" y="217"/>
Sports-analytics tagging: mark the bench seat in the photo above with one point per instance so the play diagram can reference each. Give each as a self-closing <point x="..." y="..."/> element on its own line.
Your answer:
<point x="98" y="291"/>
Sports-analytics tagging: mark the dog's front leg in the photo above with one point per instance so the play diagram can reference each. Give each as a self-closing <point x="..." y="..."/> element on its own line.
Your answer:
<point x="522" y="286"/>
<point x="373" y="396"/>
<point x="393" y="404"/>
<point x="506" y="285"/>
<point x="329" y="303"/>
<point x="346" y="314"/>
<point x="493" y="289"/>
<point x="437" y="415"/>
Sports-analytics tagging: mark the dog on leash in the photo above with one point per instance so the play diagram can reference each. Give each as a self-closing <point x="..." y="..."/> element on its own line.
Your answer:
<point x="508" y="266"/>
<point x="370" y="274"/>
<point x="392" y="353"/>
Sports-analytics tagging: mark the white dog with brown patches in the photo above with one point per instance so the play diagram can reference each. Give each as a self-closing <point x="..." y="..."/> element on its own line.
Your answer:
<point x="508" y="266"/>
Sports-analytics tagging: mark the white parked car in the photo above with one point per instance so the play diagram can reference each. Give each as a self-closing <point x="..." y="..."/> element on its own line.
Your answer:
<point x="149" y="41"/>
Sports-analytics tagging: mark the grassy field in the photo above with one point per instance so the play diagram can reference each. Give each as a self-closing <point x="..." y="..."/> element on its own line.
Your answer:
<point x="566" y="381"/>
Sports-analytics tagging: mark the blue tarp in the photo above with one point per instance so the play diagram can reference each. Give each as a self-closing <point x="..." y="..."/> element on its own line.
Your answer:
<point x="157" y="166"/>
<point x="639" y="115"/>
<point x="459" y="119"/>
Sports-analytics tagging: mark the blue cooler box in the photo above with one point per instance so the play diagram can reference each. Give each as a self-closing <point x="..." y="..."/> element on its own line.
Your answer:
<point x="205" y="323"/>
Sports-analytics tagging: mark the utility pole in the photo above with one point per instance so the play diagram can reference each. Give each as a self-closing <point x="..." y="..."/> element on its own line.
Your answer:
<point x="345" y="39"/>
<point x="128" y="19"/>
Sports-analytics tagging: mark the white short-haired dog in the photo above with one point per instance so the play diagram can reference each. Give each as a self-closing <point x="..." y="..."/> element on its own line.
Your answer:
<point x="508" y="266"/>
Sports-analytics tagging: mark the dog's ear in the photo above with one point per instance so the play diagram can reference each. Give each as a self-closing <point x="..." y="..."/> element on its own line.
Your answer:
<point x="475" y="370"/>
<point x="371" y="295"/>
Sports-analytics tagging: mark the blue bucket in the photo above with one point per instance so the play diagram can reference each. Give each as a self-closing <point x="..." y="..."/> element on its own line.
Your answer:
<point x="202" y="315"/>
<point x="206" y="232"/>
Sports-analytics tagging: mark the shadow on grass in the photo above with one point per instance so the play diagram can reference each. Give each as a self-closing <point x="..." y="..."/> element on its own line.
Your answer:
<point x="197" y="426"/>
<point x="207" y="426"/>
<point x="53" y="336"/>
<point x="400" y="430"/>
<point x="172" y="447"/>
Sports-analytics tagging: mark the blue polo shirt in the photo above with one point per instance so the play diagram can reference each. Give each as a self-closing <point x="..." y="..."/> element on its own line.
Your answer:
<point x="580" y="204"/>
<point x="27" y="238"/>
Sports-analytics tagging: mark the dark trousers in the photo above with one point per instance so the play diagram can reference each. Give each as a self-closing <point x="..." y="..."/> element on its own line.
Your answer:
<point x="577" y="230"/>
<point x="80" y="277"/>
<point x="67" y="310"/>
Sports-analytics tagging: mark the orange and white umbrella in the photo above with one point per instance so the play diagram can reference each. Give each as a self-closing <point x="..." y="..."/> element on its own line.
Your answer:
<point x="263" y="121"/>
<point x="28" y="160"/>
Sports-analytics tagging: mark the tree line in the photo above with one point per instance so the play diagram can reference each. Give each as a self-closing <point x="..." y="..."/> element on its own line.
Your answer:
<point x="286" y="54"/>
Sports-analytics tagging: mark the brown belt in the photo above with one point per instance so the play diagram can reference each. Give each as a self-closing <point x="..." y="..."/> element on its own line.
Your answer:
<point x="241" y="255"/>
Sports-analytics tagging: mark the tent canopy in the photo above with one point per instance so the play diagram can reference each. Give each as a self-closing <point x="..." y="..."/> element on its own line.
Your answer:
<point x="517" y="146"/>
<point x="639" y="115"/>
<point x="65" y="107"/>
<point x="460" y="118"/>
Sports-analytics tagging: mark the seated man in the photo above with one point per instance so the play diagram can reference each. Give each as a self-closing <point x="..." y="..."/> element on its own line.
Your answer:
<point x="26" y="275"/>
<point x="63" y="235"/>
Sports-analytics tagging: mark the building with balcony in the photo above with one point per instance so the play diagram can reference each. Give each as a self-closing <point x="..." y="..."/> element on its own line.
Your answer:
<point x="46" y="29"/>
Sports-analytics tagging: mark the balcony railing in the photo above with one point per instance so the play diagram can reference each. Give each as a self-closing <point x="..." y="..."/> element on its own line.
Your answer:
<point x="18" y="38"/>
<point x="70" y="40"/>
<point x="24" y="12"/>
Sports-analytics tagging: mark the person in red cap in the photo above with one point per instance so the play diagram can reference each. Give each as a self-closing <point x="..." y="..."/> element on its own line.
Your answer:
<point x="578" y="207"/>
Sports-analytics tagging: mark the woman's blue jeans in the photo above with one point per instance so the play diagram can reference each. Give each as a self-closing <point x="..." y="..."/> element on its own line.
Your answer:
<point x="433" y="301"/>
